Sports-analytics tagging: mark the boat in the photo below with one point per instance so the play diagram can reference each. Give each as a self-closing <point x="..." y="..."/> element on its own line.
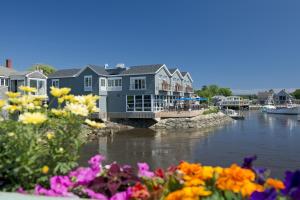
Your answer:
<point x="233" y="114"/>
<point x="289" y="109"/>
<point x="269" y="105"/>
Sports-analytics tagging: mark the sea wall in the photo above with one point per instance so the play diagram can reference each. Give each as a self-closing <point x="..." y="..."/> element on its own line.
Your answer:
<point x="201" y="121"/>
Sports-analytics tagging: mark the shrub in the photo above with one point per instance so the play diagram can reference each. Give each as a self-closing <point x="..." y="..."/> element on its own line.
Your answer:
<point x="36" y="142"/>
<point x="211" y="110"/>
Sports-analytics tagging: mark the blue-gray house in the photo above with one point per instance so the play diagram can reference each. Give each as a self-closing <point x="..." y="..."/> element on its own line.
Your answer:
<point x="134" y="92"/>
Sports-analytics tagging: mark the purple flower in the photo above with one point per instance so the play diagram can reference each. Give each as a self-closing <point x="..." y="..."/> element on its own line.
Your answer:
<point x="144" y="170"/>
<point x="248" y="162"/>
<point x="269" y="194"/>
<point x="95" y="195"/>
<point x="292" y="184"/>
<point x="83" y="175"/>
<point x="60" y="185"/>
<point x="95" y="162"/>
<point x="21" y="190"/>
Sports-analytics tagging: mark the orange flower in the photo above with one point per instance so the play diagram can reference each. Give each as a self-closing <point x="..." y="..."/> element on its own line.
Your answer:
<point x="275" y="183"/>
<point x="189" y="193"/>
<point x="238" y="180"/>
<point x="195" y="174"/>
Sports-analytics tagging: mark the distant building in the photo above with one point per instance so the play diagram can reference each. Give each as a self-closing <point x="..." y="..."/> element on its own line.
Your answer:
<point x="262" y="97"/>
<point x="283" y="97"/>
<point x="11" y="80"/>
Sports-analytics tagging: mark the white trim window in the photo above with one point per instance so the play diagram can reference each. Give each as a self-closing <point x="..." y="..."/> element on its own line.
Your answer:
<point x="3" y="81"/>
<point x="138" y="103"/>
<point x="102" y="82"/>
<point x="39" y="84"/>
<point x="55" y="83"/>
<point x="88" y="82"/>
<point x="114" y="84"/>
<point x="138" y="83"/>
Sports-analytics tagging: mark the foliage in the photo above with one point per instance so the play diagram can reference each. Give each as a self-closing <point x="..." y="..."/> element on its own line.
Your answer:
<point x="213" y="90"/>
<point x="37" y="143"/>
<point x="296" y="94"/>
<point x="211" y="110"/>
<point x="185" y="181"/>
<point x="47" y="69"/>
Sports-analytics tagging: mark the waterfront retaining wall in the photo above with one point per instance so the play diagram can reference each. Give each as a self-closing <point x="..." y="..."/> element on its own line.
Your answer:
<point x="201" y="121"/>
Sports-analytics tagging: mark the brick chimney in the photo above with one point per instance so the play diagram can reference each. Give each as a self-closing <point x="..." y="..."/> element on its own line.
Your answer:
<point x="8" y="63"/>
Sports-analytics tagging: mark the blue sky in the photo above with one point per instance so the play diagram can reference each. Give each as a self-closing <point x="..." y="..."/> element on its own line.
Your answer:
<point x="233" y="43"/>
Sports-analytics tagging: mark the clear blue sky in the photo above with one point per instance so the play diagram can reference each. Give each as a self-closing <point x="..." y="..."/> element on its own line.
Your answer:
<point x="234" y="43"/>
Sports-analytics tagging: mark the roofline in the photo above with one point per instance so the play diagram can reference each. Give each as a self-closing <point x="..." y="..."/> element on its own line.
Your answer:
<point x="177" y="70"/>
<point x="34" y="72"/>
<point x="88" y="66"/>
<point x="187" y="73"/>
<point x="165" y="67"/>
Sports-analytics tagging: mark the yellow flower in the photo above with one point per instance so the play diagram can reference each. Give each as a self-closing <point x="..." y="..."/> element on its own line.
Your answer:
<point x="190" y="193"/>
<point x="58" y="92"/>
<point x="61" y="149"/>
<point x="13" y="94"/>
<point x="45" y="169"/>
<point x="277" y="184"/>
<point x="60" y="100"/>
<point x="77" y="109"/>
<point x="32" y="118"/>
<point x="2" y="103"/>
<point x="50" y="135"/>
<point x="58" y="112"/>
<point x="12" y="108"/>
<point x="95" y="124"/>
<point x="27" y="88"/>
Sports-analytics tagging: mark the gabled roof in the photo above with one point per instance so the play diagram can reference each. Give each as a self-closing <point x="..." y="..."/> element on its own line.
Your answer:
<point x="143" y="69"/>
<point x="100" y="70"/>
<point x="4" y="71"/>
<point x="187" y="74"/>
<point x="174" y="70"/>
<point x="64" y="73"/>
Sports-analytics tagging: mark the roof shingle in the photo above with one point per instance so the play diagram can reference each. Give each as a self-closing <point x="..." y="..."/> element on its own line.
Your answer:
<point x="142" y="69"/>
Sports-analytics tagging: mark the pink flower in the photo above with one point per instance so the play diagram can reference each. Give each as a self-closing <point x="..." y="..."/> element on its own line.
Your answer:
<point x="21" y="190"/>
<point x="121" y="196"/>
<point x="60" y="185"/>
<point x="83" y="175"/>
<point x="95" y="162"/>
<point x="95" y="195"/>
<point x="144" y="170"/>
<point x="39" y="190"/>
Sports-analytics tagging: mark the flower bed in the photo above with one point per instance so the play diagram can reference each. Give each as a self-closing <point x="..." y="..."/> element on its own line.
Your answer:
<point x="190" y="181"/>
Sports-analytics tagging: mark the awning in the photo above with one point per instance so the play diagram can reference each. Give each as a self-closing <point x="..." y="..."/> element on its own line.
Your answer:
<point x="191" y="99"/>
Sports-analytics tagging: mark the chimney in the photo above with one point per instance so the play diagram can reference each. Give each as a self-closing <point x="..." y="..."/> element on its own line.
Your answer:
<point x="8" y="63"/>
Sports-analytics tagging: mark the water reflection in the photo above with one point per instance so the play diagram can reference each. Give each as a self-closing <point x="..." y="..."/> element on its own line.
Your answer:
<point x="273" y="138"/>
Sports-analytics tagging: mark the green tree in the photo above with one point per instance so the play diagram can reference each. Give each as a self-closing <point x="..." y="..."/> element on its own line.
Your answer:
<point x="213" y="90"/>
<point x="225" y="92"/>
<point x="296" y="94"/>
<point x="47" y="69"/>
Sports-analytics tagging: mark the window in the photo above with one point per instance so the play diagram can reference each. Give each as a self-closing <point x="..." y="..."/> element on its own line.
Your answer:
<point x="39" y="84"/>
<point x="139" y="103"/>
<point x="55" y="83"/>
<point x="88" y="83"/>
<point x="115" y="84"/>
<point x="130" y="103"/>
<point x="2" y="81"/>
<point x="147" y="102"/>
<point x="138" y="83"/>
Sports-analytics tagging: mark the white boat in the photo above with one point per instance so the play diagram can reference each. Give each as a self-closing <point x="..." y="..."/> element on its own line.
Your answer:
<point x="290" y="109"/>
<point x="269" y="105"/>
<point x="233" y="114"/>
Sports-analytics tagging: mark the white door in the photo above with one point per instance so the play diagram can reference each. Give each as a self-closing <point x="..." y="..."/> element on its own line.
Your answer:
<point x="103" y="84"/>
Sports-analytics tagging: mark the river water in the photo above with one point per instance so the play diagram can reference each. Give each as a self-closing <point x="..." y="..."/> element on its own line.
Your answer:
<point x="275" y="139"/>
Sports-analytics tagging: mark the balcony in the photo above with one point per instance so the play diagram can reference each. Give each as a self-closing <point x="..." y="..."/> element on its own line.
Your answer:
<point x="178" y="88"/>
<point x="165" y="86"/>
<point x="189" y="89"/>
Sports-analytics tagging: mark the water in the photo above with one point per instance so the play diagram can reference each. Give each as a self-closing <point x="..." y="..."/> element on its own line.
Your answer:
<point x="275" y="139"/>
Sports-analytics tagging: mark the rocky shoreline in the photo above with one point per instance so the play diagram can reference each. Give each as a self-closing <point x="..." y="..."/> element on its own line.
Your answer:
<point x="198" y="122"/>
